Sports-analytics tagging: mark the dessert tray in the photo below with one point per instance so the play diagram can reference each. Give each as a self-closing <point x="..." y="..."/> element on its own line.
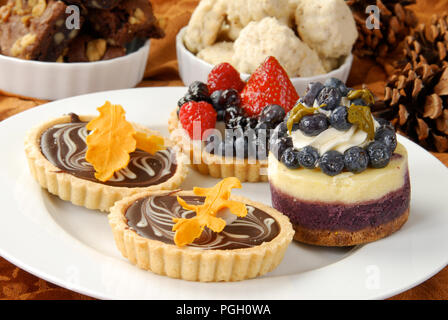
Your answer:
<point x="73" y="247"/>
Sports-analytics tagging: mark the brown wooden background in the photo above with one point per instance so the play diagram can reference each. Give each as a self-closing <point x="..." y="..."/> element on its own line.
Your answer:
<point x="162" y="70"/>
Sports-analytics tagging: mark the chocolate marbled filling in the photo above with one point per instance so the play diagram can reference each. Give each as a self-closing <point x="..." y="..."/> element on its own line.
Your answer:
<point x="340" y="216"/>
<point x="64" y="145"/>
<point x="151" y="217"/>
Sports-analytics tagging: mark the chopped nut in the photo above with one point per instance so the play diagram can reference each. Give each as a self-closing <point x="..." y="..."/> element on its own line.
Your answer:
<point x="138" y="17"/>
<point x="58" y="38"/>
<point x="96" y="49"/>
<point x="39" y="8"/>
<point x="21" y="43"/>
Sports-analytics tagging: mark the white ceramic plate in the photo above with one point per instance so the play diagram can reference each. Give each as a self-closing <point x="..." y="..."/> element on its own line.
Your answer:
<point x="73" y="247"/>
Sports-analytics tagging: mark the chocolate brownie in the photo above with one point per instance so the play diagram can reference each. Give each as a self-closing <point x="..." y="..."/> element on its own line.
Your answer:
<point x="86" y="48"/>
<point x="97" y="4"/>
<point x="35" y="29"/>
<point x="130" y="19"/>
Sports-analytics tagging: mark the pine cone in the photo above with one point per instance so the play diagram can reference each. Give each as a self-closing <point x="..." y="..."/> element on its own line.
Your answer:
<point x="428" y="43"/>
<point x="395" y="20"/>
<point x="415" y="102"/>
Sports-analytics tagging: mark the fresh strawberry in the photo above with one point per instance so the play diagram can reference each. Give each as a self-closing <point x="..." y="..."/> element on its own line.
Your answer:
<point x="196" y="117"/>
<point x="223" y="77"/>
<point x="269" y="84"/>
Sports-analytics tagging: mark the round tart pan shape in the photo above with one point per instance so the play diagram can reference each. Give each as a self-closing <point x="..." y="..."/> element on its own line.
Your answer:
<point x="82" y="192"/>
<point x="246" y="170"/>
<point x="198" y="265"/>
<point x="347" y="209"/>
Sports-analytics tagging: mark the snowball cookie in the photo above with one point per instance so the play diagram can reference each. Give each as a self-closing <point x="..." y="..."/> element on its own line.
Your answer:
<point x="269" y="37"/>
<point x="327" y="26"/>
<point x="204" y="24"/>
<point x="218" y="53"/>
<point x="241" y="12"/>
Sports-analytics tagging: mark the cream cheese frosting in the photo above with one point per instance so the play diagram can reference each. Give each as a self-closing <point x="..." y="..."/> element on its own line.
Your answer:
<point x="347" y="187"/>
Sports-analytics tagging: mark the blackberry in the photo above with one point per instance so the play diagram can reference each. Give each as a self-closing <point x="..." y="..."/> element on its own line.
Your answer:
<point x="290" y="158"/>
<point x="388" y="137"/>
<point x="311" y="92"/>
<point x="331" y="162"/>
<point x="379" y="154"/>
<point x="230" y="97"/>
<point x="199" y="90"/>
<point x="338" y="118"/>
<point x="308" y="157"/>
<point x="356" y="159"/>
<point x="251" y="123"/>
<point x="329" y="96"/>
<point x="313" y="124"/>
<point x="237" y="122"/>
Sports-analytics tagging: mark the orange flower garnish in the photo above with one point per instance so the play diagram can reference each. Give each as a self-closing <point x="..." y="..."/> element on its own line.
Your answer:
<point x="150" y="144"/>
<point x="113" y="139"/>
<point x="217" y="198"/>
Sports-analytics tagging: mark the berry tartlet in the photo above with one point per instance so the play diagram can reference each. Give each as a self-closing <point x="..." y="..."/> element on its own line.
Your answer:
<point x="225" y="125"/>
<point x="95" y="161"/>
<point x="200" y="235"/>
<point x="336" y="171"/>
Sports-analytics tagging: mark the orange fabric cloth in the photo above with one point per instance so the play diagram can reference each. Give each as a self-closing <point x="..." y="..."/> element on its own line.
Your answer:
<point x="162" y="70"/>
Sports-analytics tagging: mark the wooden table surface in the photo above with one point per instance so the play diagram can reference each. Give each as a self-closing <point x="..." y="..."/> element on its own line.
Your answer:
<point x="162" y="70"/>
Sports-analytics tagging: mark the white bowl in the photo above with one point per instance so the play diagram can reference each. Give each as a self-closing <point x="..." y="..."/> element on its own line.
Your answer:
<point x="51" y="80"/>
<point x="191" y="68"/>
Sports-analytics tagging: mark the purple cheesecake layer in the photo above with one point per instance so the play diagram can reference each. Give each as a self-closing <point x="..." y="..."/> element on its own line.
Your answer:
<point x="340" y="216"/>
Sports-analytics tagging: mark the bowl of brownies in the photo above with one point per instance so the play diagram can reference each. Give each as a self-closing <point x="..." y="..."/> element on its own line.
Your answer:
<point x="52" y="49"/>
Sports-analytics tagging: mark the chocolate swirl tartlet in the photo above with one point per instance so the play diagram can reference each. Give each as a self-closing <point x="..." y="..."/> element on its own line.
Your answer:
<point x="248" y="247"/>
<point x="56" y="153"/>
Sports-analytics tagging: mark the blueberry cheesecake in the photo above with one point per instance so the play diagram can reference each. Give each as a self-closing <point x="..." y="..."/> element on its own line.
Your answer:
<point x="234" y="120"/>
<point x="336" y="171"/>
<point x="64" y="161"/>
<point x="200" y="235"/>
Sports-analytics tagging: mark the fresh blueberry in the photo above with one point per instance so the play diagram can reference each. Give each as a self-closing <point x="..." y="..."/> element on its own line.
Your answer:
<point x="311" y="92"/>
<point x="272" y="113"/>
<point x="388" y="137"/>
<point x="278" y="146"/>
<point x="308" y="157"/>
<point x="329" y="96"/>
<point x="290" y="158"/>
<point x="356" y="159"/>
<point x="384" y="123"/>
<point x="313" y="124"/>
<point x="332" y="162"/>
<point x="336" y="83"/>
<point x="338" y="118"/>
<point x="379" y="154"/>
<point x="215" y="98"/>
<point x="359" y="102"/>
